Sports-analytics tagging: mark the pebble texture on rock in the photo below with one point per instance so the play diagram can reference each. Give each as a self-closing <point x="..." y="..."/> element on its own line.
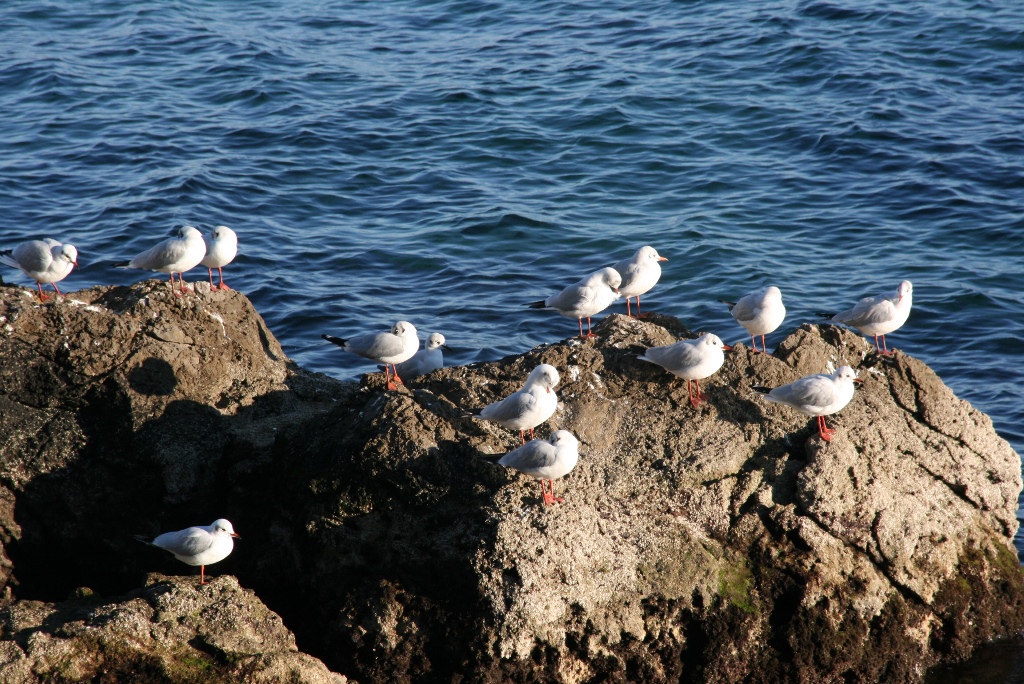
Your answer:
<point x="718" y="544"/>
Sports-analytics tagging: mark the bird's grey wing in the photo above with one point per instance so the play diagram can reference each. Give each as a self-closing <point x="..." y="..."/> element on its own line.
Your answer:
<point x="189" y="542"/>
<point x="570" y="298"/>
<point x="512" y="407"/>
<point x="874" y="310"/>
<point x="745" y="309"/>
<point x="535" y="454"/>
<point x="33" y="256"/>
<point x="674" y="355"/>
<point x="376" y="345"/>
<point x="629" y="270"/>
<point x="155" y="258"/>
<point x="813" y="390"/>
<point x="414" y="366"/>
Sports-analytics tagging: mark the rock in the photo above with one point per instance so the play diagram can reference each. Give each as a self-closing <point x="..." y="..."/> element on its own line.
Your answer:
<point x="172" y="630"/>
<point x="718" y="544"/>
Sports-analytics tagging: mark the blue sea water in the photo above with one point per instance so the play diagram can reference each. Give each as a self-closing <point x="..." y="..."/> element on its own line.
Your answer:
<point x="447" y="161"/>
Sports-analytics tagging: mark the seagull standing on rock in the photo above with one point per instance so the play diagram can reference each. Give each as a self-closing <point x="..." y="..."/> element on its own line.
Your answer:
<point x="639" y="274"/>
<point x="426" y="360"/>
<point x="692" y="360"/>
<point x="590" y="296"/>
<point x="760" y="313"/>
<point x="44" y="261"/>
<point x="200" y="546"/>
<point x="879" y="315"/>
<point x="546" y="459"/>
<point x="388" y="348"/>
<point x="177" y="254"/>
<point x="817" y="395"/>
<point x="221" y="249"/>
<point x="528" y="407"/>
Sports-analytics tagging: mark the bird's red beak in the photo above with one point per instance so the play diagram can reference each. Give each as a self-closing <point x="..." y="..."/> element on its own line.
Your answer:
<point x="858" y="381"/>
<point x="236" y="536"/>
<point x="726" y="347"/>
<point x="661" y="258"/>
<point x="616" y="290"/>
<point x="548" y="390"/>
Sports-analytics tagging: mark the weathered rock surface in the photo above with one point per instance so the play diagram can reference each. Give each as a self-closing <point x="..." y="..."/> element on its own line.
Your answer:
<point x="724" y="543"/>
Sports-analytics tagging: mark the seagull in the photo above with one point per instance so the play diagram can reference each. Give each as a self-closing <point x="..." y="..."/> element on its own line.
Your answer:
<point x="200" y="546"/>
<point x="44" y="261"/>
<point x="389" y="348"/>
<point x="221" y="249"/>
<point x="816" y="395"/>
<point x="639" y="274"/>
<point x="691" y="360"/>
<point x="527" y="408"/>
<point x="426" y="360"/>
<point x="592" y="295"/>
<point x="546" y="459"/>
<point x="177" y="254"/>
<point x="760" y="313"/>
<point x="879" y="315"/>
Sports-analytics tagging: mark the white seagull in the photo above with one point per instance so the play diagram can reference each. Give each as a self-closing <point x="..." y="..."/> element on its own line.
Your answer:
<point x="528" y="407"/>
<point x="44" y="261"/>
<point x="177" y="254"/>
<point x="592" y="295"/>
<point x="818" y="395"/>
<point x="546" y="459"/>
<point x="692" y="360"/>
<point x="639" y="274"/>
<point x="760" y="313"/>
<point x="879" y="315"/>
<point x="389" y="348"/>
<point x="221" y="249"/>
<point x="426" y="360"/>
<point x="200" y="546"/>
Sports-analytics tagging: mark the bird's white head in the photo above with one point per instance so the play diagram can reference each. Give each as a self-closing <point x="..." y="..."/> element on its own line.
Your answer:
<point x="905" y="289"/>
<point x="610" y="277"/>
<point x="772" y="292"/>
<point x="222" y="526"/>
<point x="648" y="253"/>
<point x="545" y="376"/>
<point x="404" y="329"/>
<point x="435" y="340"/>
<point x="712" y="340"/>
<point x="221" y="232"/>
<point x="564" y="438"/>
<point x="69" y="254"/>
<point x="186" y="232"/>
<point x="846" y="374"/>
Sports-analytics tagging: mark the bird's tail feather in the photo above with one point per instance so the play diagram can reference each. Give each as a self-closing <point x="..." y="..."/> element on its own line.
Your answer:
<point x="336" y="340"/>
<point x="761" y="389"/>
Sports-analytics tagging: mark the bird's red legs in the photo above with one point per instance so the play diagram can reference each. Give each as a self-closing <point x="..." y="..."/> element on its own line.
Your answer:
<point x="695" y="400"/>
<point x="549" y="496"/>
<point x="181" y="283"/>
<point x="393" y="377"/>
<point x="638" y="314"/>
<point x="42" y="297"/>
<point x="223" y="285"/>
<point x="202" y="574"/>
<point x="589" y="332"/>
<point x="823" y="430"/>
<point x="209" y="272"/>
<point x="628" y="312"/>
<point x="884" y="351"/>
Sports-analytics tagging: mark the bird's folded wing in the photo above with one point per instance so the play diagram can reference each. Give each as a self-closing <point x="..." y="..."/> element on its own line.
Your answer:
<point x="188" y="542"/>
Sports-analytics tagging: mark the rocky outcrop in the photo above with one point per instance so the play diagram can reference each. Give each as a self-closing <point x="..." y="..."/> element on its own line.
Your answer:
<point x="718" y="544"/>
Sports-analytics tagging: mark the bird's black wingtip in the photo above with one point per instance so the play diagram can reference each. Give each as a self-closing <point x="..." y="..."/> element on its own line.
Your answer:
<point x="536" y="305"/>
<point x="121" y="264"/>
<point x="336" y="340"/>
<point x="761" y="389"/>
<point x="825" y="315"/>
<point x="728" y="304"/>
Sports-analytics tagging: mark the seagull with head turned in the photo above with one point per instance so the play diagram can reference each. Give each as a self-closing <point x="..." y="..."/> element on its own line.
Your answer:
<point x="692" y="360"/>
<point x="760" y="312"/>
<point x="200" y="546"/>
<point x="640" y="273"/>
<point x="221" y="249"/>
<point x="44" y="261"/>
<point x="819" y="395"/>
<point x="426" y="360"/>
<point x="389" y="348"/>
<point x="590" y="296"/>
<point x="878" y="315"/>
<point x="545" y="459"/>
<point x="177" y="254"/>
<point x="528" y="407"/>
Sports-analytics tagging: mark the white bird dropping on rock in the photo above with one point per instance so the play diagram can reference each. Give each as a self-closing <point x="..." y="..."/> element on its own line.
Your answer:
<point x="200" y="546"/>
<point x="639" y="274"/>
<point x="177" y="254"/>
<point x="879" y="315"/>
<point x="528" y="407"/>
<point x="426" y="360"/>
<point x="760" y="313"/>
<point x="545" y="459"/>
<point x="818" y="395"/>
<point x="221" y="249"/>
<point x="592" y="295"/>
<point x="692" y="360"/>
<point x="389" y="348"/>
<point x="44" y="261"/>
